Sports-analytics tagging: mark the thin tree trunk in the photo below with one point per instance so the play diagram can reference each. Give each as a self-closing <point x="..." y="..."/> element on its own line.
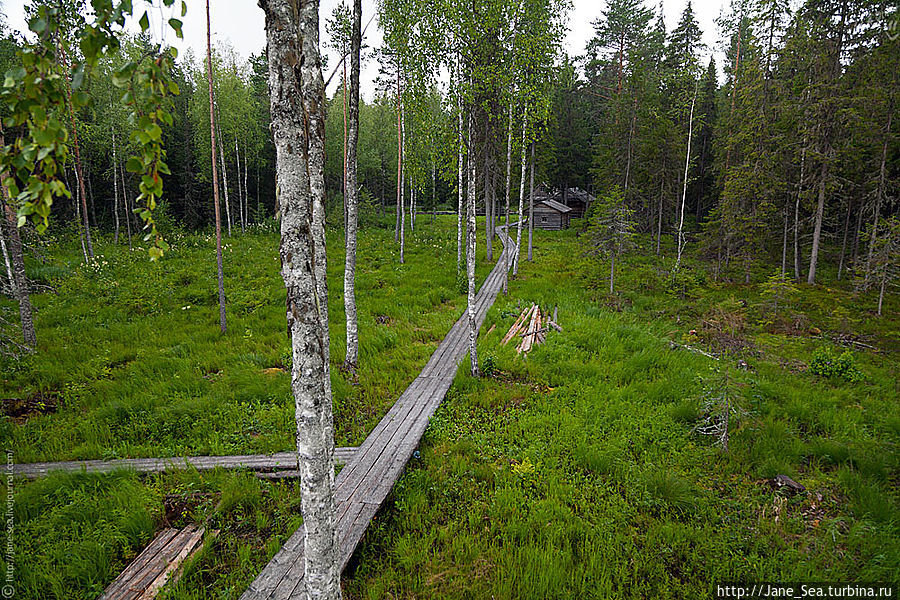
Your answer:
<point x="612" y="273"/>
<point x="630" y="140"/>
<point x="115" y="188"/>
<point x="19" y="281"/>
<point x="9" y="270"/>
<point x="687" y="163"/>
<point x="784" y="245"/>
<point x="298" y="122"/>
<point x="846" y="235"/>
<point x="125" y="204"/>
<point x="246" y="194"/>
<point x="90" y="189"/>
<point x="461" y="165"/>
<point x="240" y="191"/>
<point x="344" y="139"/>
<point x="659" y="217"/>
<point x="215" y="176"/>
<point x="879" y="194"/>
<point x="352" y="193"/>
<point x="225" y="182"/>
<point x="531" y="205"/>
<point x="817" y="232"/>
<point x="17" y="258"/>
<point x="856" y="232"/>
<point x="79" y="173"/>
<point x="471" y="234"/>
<point x="881" y="292"/>
<point x="797" y="266"/>
<point x="524" y="171"/>
<point x="488" y="212"/>
<point x="399" y="157"/>
<point x="78" y="220"/>
<point x="402" y="181"/>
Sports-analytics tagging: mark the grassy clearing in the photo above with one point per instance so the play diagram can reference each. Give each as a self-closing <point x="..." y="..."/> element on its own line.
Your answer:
<point x="131" y="364"/>
<point x="576" y="473"/>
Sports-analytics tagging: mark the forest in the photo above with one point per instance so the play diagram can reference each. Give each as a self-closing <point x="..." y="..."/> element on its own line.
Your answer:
<point x="256" y="313"/>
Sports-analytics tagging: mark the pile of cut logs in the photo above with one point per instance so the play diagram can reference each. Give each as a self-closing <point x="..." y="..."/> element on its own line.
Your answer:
<point x="532" y="327"/>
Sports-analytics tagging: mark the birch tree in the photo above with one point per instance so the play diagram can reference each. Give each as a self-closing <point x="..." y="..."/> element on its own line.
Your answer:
<point x="352" y="192"/>
<point x="223" y="326"/>
<point x="297" y="93"/>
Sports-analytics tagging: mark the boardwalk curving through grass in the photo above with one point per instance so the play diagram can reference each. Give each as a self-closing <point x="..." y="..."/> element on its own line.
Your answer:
<point x="365" y="482"/>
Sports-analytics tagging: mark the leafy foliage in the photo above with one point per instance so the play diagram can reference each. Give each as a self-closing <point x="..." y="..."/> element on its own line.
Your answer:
<point x="827" y="364"/>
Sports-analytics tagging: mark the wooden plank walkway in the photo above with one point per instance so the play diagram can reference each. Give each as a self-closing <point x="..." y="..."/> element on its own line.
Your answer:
<point x="367" y="479"/>
<point x="158" y="563"/>
<point x="282" y="464"/>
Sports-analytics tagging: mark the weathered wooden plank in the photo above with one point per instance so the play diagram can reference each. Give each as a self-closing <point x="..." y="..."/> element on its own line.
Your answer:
<point x="172" y="570"/>
<point x="279" y="460"/>
<point x="366" y="465"/>
<point x="370" y="452"/>
<point x="135" y="566"/>
<point x="138" y="584"/>
<point x="355" y="533"/>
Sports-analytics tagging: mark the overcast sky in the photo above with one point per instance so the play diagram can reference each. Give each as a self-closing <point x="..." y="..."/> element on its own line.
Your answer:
<point x="241" y="22"/>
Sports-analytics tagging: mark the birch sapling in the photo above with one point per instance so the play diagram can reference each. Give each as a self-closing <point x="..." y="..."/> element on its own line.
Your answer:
<point x="521" y="194"/>
<point x="352" y="194"/>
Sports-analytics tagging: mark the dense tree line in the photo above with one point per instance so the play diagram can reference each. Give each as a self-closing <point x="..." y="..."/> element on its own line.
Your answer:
<point x="791" y="159"/>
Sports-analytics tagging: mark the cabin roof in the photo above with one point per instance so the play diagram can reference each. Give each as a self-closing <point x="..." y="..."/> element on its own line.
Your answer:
<point x="556" y="206"/>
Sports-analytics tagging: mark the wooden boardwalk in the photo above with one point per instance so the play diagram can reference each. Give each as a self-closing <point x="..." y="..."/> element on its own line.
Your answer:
<point x="159" y="563"/>
<point x="367" y="479"/>
<point x="280" y="463"/>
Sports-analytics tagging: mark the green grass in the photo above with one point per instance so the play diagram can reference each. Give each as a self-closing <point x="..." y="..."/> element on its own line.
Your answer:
<point x="131" y="358"/>
<point x="574" y="473"/>
<point x="577" y="473"/>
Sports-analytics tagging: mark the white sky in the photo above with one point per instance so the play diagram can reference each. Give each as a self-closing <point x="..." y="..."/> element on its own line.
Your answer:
<point x="241" y="22"/>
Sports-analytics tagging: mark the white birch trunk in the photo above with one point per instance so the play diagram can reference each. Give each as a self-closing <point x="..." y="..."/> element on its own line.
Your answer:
<point x="471" y="234"/>
<point x="687" y="164"/>
<point x="17" y="272"/>
<point x="9" y="271"/>
<point x="240" y="191"/>
<point x="460" y="165"/>
<point x="402" y="181"/>
<point x="352" y="194"/>
<point x="225" y="182"/>
<point x="531" y="205"/>
<point x="115" y="188"/>
<point x="223" y="325"/>
<point x="509" y="137"/>
<point x="521" y="194"/>
<point x="298" y="126"/>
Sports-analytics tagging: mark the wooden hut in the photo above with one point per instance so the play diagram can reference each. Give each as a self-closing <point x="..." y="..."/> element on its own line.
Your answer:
<point x="551" y="215"/>
<point x="577" y="199"/>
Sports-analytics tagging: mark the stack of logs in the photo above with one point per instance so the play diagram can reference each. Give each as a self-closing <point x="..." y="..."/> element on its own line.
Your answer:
<point x="532" y="327"/>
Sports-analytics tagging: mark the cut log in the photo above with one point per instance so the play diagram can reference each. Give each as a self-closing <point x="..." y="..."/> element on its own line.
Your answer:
<point x="517" y="325"/>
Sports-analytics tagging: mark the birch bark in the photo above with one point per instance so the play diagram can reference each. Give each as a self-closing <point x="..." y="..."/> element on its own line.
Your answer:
<point x="352" y="194"/>
<point x="212" y="147"/>
<point x="471" y="234"/>
<point x="297" y="93"/>
<point x="521" y="194"/>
